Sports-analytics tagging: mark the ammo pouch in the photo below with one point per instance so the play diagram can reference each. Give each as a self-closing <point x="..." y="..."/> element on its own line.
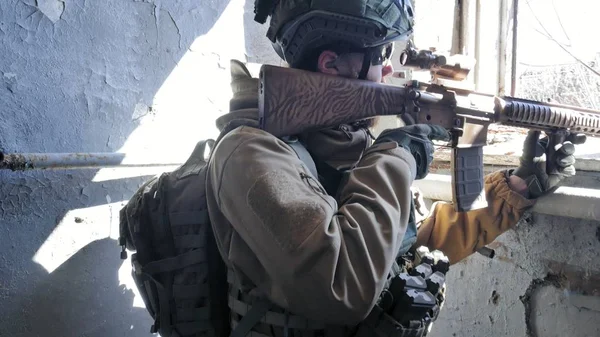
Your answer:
<point x="407" y="307"/>
<point x="412" y="298"/>
<point x="252" y="316"/>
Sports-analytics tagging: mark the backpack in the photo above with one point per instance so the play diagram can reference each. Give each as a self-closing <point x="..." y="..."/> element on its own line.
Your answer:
<point x="176" y="266"/>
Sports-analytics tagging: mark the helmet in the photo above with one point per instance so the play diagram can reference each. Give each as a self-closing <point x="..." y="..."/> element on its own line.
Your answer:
<point x="299" y="27"/>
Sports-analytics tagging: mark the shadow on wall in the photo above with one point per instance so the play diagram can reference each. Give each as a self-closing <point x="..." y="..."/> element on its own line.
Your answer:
<point x="76" y="76"/>
<point x="83" y="293"/>
<point x="82" y="297"/>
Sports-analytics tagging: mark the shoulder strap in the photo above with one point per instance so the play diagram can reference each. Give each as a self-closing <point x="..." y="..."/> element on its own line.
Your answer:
<point x="293" y="142"/>
<point x="303" y="154"/>
<point x="197" y="159"/>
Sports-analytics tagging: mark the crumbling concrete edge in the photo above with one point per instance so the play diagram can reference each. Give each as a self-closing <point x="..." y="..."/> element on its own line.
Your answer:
<point x="555" y="280"/>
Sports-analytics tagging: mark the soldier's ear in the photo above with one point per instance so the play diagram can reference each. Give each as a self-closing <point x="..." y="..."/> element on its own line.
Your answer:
<point x="327" y="63"/>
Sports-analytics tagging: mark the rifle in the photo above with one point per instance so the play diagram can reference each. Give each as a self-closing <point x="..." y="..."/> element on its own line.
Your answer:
<point x="293" y="101"/>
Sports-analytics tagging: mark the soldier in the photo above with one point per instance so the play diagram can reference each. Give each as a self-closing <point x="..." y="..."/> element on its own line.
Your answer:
<point x="319" y="248"/>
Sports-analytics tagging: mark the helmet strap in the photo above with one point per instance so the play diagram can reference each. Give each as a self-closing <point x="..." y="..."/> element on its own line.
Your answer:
<point x="366" y="64"/>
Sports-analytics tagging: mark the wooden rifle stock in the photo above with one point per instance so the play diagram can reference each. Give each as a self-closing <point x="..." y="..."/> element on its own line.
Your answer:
<point x="293" y="101"/>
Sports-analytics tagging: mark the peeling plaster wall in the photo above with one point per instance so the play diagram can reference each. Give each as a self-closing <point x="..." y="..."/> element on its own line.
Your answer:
<point x="131" y="76"/>
<point x="98" y="76"/>
<point x="543" y="281"/>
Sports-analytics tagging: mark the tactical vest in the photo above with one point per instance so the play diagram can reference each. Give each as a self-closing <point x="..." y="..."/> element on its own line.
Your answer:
<point x="184" y="283"/>
<point x="408" y="305"/>
<point x="410" y="302"/>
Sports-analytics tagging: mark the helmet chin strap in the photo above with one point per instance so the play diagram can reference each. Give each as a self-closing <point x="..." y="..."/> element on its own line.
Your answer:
<point x="366" y="64"/>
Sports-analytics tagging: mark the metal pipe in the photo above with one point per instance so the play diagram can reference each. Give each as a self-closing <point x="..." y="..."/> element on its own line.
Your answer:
<point x="468" y="27"/>
<point x="477" y="44"/>
<point x="566" y="201"/>
<point x="502" y="32"/>
<point x="45" y="161"/>
<point x="513" y="69"/>
<point x="458" y="38"/>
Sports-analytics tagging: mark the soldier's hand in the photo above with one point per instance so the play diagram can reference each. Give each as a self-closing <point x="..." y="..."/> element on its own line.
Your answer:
<point x="417" y="139"/>
<point x="546" y="162"/>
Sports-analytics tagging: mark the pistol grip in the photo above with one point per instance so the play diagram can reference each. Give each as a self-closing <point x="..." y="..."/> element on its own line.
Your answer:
<point x="468" y="189"/>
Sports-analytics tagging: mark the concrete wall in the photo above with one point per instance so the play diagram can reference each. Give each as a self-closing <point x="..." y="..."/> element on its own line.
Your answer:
<point x="543" y="281"/>
<point x="99" y="76"/>
<point x="141" y="76"/>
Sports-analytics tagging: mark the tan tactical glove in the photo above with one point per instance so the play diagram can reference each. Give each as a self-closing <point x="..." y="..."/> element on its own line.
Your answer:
<point x="546" y="162"/>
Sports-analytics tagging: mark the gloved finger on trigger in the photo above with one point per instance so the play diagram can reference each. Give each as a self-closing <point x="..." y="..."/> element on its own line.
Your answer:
<point x="438" y="133"/>
<point x="577" y="138"/>
<point x="417" y="129"/>
<point x="402" y="137"/>
<point x="387" y="132"/>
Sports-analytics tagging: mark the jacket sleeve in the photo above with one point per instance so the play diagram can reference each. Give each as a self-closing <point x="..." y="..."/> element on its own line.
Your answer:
<point x="460" y="234"/>
<point x="321" y="260"/>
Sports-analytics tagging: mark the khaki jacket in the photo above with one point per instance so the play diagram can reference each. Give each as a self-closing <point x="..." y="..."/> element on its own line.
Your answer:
<point x="326" y="257"/>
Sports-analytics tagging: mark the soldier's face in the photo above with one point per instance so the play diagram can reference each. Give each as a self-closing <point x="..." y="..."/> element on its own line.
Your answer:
<point x="377" y="73"/>
<point x="349" y="65"/>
